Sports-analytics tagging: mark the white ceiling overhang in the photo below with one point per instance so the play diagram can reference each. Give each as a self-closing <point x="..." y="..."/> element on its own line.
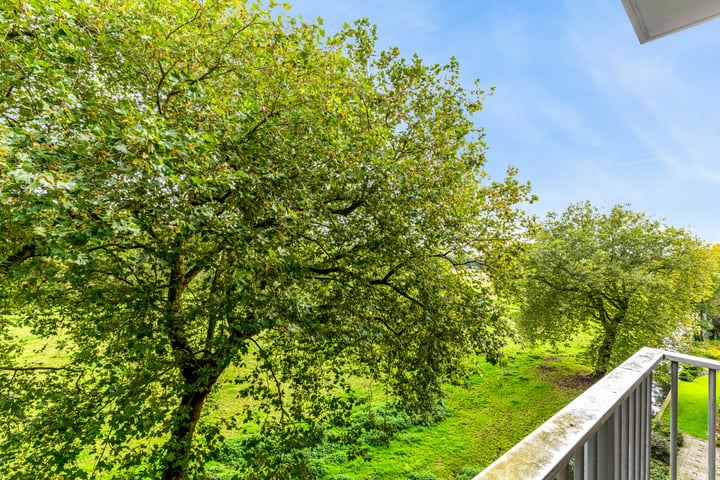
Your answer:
<point x="653" y="19"/>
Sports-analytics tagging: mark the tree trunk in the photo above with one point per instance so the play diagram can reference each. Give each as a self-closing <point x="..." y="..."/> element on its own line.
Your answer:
<point x="605" y="351"/>
<point x="186" y="418"/>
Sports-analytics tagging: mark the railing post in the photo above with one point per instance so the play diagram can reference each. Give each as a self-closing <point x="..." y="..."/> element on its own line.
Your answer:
<point x="632" y="447"/>
<point x="591" y="458"/>
<point x="563" y="474"/>
<point x="639" y="432"/>
<point x="642" y="413"/>
<point x="624" y="440"/>
<point x="579" y="466"/>
<point x="673" y="419"/>
<point x="712" y="422"/>
<point x="616" y="444"/>
<point x="648" y="422"/>
<point x="604" y="454"/>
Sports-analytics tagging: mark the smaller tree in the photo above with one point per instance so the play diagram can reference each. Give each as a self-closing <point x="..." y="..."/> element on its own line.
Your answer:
<point x="623" y="277"/>
<point x="709" y="309"/>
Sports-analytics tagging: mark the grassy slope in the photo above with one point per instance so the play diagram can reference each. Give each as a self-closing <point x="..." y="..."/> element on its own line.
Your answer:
<point x="496" y="410"/>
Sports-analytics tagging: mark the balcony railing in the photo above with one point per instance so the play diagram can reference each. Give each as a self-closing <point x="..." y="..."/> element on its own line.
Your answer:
<point x="606" y="430"/>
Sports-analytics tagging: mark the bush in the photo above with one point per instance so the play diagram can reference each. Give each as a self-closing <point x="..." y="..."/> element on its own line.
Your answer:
<point x="468" y="472"/>
<point x="422" y="476"/>
<point x="254" y="454"/>
<point x="709" y="350"/>
<point x="685" y="376"/>
<point x="659" y="471"/>
<point x="660" y="442"/>
<point x="659" y="448"/>
<point x="233" y="451"/>
<point x="663" y="429"/>
<point x="381" y="424"/>
<point x="322" y="445"/>
<point x="689" y="373"/>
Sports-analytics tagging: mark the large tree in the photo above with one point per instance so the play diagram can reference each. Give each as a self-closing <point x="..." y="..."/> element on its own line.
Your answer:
<point x="186" y="185"/>
<point x="627" y="279"/>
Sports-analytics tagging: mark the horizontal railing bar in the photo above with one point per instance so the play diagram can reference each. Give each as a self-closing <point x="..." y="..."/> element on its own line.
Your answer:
<point x="543" y="453"/>
<point x="693" y="360"/>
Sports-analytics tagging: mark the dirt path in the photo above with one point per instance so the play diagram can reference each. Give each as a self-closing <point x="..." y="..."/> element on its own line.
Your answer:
<point x="692" y="459"/>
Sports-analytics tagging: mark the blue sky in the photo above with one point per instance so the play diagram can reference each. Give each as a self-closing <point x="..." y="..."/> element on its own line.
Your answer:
<point x="580" y="107"/>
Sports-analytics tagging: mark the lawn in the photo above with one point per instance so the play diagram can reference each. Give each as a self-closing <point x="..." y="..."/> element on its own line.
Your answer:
<point x="692" y="407"/>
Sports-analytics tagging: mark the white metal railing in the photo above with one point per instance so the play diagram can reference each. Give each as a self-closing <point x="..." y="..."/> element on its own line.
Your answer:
<point x="606" y="430"/>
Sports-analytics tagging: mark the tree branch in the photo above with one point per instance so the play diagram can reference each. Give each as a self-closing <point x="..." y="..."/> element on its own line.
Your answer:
<point x="26" y="251"/>
<point x="31" y="369"/>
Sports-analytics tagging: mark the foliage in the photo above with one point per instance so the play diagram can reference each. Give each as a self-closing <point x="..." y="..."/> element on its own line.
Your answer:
<point x="708" y="349"/>
<point x="659" y="470"/>
<point x="422" y="476"/>
<point x="709" y="310"/>
<point x="468" y="473"/>
<point x="662" y="429"/>
<point x="660" y="441"/>
<point x="630" y="280"/>
<point x="190" y="185"/>
<point x="379" y="425"/>
<point x="249" y="455"/>
<point x="689" y="372"/>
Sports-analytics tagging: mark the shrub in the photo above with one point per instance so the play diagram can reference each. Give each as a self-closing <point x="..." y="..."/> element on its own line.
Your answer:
<point x="659" y="471"/>
<point x="329" y="453"/>
<point x="659" y="448"/>
<point x="254" y="454"/>
<point x="660" y="442"/>
<point x="663" y="429"/>
<point x="233" y="451"/>
<point x="689" y="373"/>
<point x="468" y="472"/>
<point x="422" y="476"/>
<point x="685" y="376"/>
<point x="380" y="425"/>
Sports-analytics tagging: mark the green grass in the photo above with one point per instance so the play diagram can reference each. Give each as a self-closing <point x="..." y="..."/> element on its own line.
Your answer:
<point x="497" y="409"/>
<point x="692" y="407"/>
<point x="37" y="350"/>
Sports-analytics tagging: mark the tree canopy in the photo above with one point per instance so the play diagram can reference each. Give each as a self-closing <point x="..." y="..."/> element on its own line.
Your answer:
<point x="627" y="279"/>
<point x="709" y="308"/>
<point x="190" y="185"/>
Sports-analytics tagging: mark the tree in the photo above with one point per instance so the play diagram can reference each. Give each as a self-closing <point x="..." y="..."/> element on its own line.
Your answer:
<point x="190" y="185"/>
<point x="709" y="308"/>
<point x="626" y="278"/>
